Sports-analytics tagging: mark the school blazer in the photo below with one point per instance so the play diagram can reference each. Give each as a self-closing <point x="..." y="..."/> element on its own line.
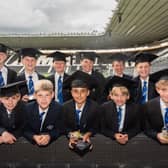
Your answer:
<point x="52" y="124"/>
<point x="153" y="118"/>
<point x="11" y="76"/>
<point x="109" y="119"/>
<point x="16" y="122"/>
<point x="138" y="93"/>
<point x="89" y="121"/>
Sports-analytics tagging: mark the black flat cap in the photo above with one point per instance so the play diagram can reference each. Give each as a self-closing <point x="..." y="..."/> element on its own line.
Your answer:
<point x="118" y="57"/>
<point x="119" y="81"/>
<point x="11" y="89"/>
<point x="159" y="75"/>
<point x="143" y="57"/>
<point x="31" y="52"/>
<point x="80" y="79"/>
<point x="58" y="56"/>
<point x="3" y="48"/>
<point x="87" y="55"/>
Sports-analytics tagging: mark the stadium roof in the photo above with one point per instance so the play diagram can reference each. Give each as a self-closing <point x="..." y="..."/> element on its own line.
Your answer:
<point x="133" y="23"/>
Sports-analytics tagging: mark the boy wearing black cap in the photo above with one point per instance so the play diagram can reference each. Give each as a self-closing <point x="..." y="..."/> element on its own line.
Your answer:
<point x="6" y="74"/>
<point x="12" y="113"/>
<point x="29" y="58"/>
<point x="44" y="115"/>
<point x="81" y="113"/>
<point x="120" y="118"/>
<point x="146" y="89"/>
<point x="58" y="78"/>
<point x="156" y="110"/>
<point x="87" y="62"/>
<point x="118" y="66"/>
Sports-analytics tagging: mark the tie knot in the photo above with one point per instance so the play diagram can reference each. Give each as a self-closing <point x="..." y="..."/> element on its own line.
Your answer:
<point x="0" y="72"/>
<point x="78" y="111"/>
<point x="30" y="77"/>
<point x="60" y="77"/>
<point x="145" y="82"/>
<point x="119" y="109"/>
<point x="41" y="115"/>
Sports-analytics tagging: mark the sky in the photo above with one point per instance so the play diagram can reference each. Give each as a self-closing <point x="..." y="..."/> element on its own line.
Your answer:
<point x="51" y="16"/>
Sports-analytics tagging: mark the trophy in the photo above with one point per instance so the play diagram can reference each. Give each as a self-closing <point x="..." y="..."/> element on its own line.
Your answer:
<point x="165" y="132"/>
<point x="79" y="146"/>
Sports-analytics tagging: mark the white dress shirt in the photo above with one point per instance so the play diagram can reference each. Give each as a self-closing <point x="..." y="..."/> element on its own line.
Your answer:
<point x="4" y="71"/>
<point x="34" y="77"/>
<point x="56" y="77"/>
<point x="163" y="111"/>
<point x="81" y="109"/>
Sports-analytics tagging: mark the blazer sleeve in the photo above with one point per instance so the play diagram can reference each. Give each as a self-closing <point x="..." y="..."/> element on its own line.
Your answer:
<point x="106" y="129"/>
<point x="148" y="130"/>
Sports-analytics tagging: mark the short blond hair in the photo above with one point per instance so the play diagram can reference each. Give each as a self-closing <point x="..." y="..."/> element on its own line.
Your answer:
<point x="43" y="85"/>
<point x="123" y="90"/>
<point x="161" y="83"/>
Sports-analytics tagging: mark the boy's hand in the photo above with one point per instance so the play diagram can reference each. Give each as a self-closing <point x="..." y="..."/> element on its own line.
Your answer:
<point x="42" y="140"/>
<point x="72" y="141"/>
<point x="121" y="138"/>
<point x="37" y="138"/>
<point x="25" y="98"/>
<point x="8" y="138"/>
<point x="86" y="137"/>
<point x="45" y="139"/>
<point x="161" y="139"/>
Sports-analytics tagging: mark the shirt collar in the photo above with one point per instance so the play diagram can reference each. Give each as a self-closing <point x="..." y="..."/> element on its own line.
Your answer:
<point x="147" y="80"/>
<point x="162" y="104"/>
<point x="57" y="75"/>
<point x="82" y="107"/>
<point x="4" y="69"/>
<point x="122" y="107"/>
<point x="40" y="110"/>
<point x="27" y="75"/>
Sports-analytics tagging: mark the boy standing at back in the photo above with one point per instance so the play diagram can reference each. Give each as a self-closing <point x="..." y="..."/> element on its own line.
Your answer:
<point x="146" y="88"/>
<point x="43" y="115"/>
<point x="7" y="75"/>
<point x="29" y="58"/>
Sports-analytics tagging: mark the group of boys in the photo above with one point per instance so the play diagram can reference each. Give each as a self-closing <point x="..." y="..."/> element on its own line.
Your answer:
<point x="119" y="107"/>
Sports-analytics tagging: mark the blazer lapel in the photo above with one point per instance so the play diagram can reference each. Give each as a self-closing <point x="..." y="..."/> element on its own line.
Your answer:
<point x="159" y="115"/>
<point x="126" y="118"/>
<point x="85" y="114"/>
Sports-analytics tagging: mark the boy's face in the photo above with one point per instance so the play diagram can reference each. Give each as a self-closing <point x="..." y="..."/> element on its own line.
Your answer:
<point x="87" y="65"/>
<point x="143" y="69"/>
<point x="59" y="66"/>
<point x="163" y="92"/>
<point x="119" y="98"/>
<point x="118" y="67"/>
<point x="29" y="63"/>
<point x="3" y="57"/>
<point x="44" y="98"/>
<point x="10" y="102"/>
<point x="80" y="94"/>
